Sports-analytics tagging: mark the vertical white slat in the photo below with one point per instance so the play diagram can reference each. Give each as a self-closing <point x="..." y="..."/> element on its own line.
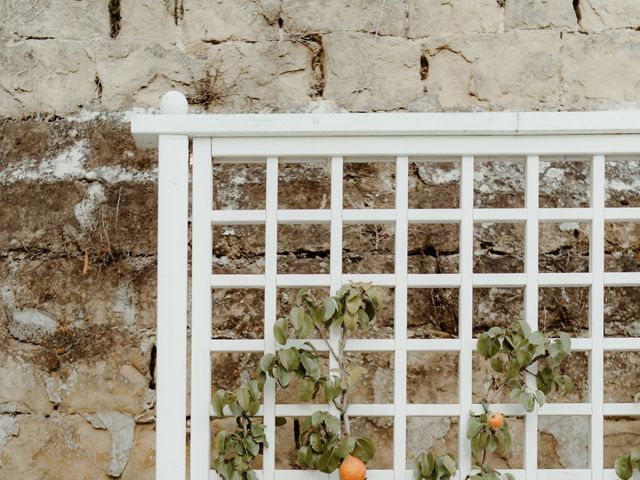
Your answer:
<point x="596" y="316"/>
<point x="171" y="385"/>
<point x="465" y="329"/>
<point x="531" y="304"/>
<point x="335" y="254"/>
<point x="201" y="262"/>
<point x="270" y="297"/>
<point x="400" y="320"/>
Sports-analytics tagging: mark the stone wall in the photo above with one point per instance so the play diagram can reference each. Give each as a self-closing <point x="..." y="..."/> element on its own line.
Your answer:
<point x="77" y="199"/>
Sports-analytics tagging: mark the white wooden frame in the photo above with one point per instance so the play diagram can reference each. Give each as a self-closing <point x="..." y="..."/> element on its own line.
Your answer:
<point x="272" y="139"/>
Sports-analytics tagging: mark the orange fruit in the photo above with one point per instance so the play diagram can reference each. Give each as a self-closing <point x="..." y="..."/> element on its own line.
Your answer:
<point x="495" y="420"/>
<point x="352" y="468"/>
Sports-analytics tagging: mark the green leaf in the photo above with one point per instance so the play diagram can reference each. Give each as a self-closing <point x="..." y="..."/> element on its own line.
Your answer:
<point x="280" y="330"/>
<point x="282" y="376"/>
<point x="495" y="332"/>
<point x="540" y="397"/>
<point x="364" y="449"/>
<point x="336" y="451"/>
<point x="244" y="398"/>
<point x="289" y="358"/>
<point x="304" y="456"/>
<point x="251" y="446"/>
<point x="427" y="464"/>
<point x="474" y="427"/>
<point x="297" y="317"/>
<point x="330" y="308"/>
<point x="280" y="421"/>
<point x="449" y="463"/>
<point x="305" y="390"/>
<point x="527" y="401"/>
<point x="537" y="338"/>
<point x="487" y="346"/>
<point x="220" y="442"/>
<point x="497" y="365"/>
<point x="623" y="467"/>
<point x="218" y="403"/>
<point x="351" y="320"/>
<point x="565" y="341"/>
<point x="311" y="365"/>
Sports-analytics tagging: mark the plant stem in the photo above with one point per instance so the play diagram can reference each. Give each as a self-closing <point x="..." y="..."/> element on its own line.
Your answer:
<point x="326" y="340"/>
<point x="343" y="375"/>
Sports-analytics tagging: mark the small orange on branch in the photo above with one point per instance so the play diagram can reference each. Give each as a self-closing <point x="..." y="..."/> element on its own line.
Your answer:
<point x="495" y="420"/>
<point x="352" y="468"/>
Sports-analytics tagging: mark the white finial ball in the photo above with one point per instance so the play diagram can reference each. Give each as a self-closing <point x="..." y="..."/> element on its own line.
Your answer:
<point x="174" y="103"/>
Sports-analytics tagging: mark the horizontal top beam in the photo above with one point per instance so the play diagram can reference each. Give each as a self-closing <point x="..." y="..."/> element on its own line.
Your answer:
<point x="146" y="128"/>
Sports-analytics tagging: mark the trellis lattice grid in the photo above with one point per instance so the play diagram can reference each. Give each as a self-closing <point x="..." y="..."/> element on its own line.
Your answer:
<point x="346" y="138"/>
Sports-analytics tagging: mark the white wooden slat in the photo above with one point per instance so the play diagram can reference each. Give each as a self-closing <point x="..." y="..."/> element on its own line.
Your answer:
<point x="596" y="317"/>
<point x="374" y="215"/>
<point x="431" y="410"/>
<point x="499" y="215"/>
<point x="335" y="260"/>
<point x="622" y="344"/>
<point x="302" y="217"/>
<point x="379" y="279"/>
<point x="438" y="280"/>
<point x="435" y="215"/>
<point x="622" y="279"/>
<point x="270" y="301"/>
<point x="147" y="127"/>
<point x="531" y="303"/>
<point x="434" y="145"/>
<point x="238" y="217"/>
<point x="171" y="384"/>
<point x="465" y="328"/>
<point x="201" y="254"/>
<point x="565" y="214"/>
<point x="564" y="279"/>
<point x="400" y="318"/>
<point x="498" y="279"/>
<point x="621" y="409"/>
<point x="622" y="214"/>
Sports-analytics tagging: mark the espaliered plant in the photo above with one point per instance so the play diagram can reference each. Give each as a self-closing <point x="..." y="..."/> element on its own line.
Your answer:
<point x="325" y="441"/>
<point x="628" y="463"/>
<point x="514" y="354"/>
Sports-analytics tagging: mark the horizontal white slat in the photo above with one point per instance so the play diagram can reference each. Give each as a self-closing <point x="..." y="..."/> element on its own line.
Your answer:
<point x="321" y="280"/>
<point x="379" y="279"/>
<point x="436" y="215"/>
<point x="499" y="279"/>
<point x="622" y="279"/>
<point x="565" y="279"/>
<point x="388" y="345"/>
<point x="379" y="215"/>
<point x="237" y="281"/>
<point x="444" y="215"/>
<point x="499" y="215"/>
<point x="301" y="217"/>
<point x="622" y="214"/>
<point x="433" y="345"/>
<point x="421" y="145"/>
<point x="565" y="214"/>
<point x="622" y="409"/>
<point x="622" y="344"/>
<point x="238" y="217"/>
<point x="431" y="410"/>
<point x="436" y="280"/>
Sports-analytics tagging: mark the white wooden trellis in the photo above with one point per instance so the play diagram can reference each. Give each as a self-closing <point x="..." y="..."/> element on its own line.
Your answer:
<point x="273" y="139"/>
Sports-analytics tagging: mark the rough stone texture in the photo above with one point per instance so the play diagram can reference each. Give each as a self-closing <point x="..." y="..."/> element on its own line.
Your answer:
<point x="77" y="354"/>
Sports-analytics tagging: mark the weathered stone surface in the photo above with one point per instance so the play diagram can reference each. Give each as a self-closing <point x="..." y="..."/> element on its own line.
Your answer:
<point x="148" y="21"/>
<point x="56" y="19"/>
<point x="540" y="14"/>
<point x="601" y="15"/>
<point x="587" y="64"/>
<point x="528" y="62"/>
<point x="22" y="386"/>
<point x="326" y="16"/>
<point x="140" y="73"/>
<point x="387" y="78"/>
<point x="216" y="21"/>
<point x="433" y="17"/>
<point x="121" y="429"/>
<point x="36" y="76"/>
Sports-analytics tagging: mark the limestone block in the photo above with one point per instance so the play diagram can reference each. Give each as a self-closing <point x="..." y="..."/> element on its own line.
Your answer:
<point x="514" y="71"/>
<point x="121" y="428"/>
<point x="148" y="21"/>
<point x="45" y="76"/>
<point x="600" y="70"/>
<point x="218" y="21"/>
<point x="22" y="386"/>
<point x="138" y="74"/>
<point x="56" y="447"/>
<point x="434" y="17"/>
<point x="539" y="14"/>
<point x="363" y="73"/>
<point x="59" y="19"/>
<point x="600" y="15"/>
<point x="302" y="16"/>
<point x="253" y="77"/>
